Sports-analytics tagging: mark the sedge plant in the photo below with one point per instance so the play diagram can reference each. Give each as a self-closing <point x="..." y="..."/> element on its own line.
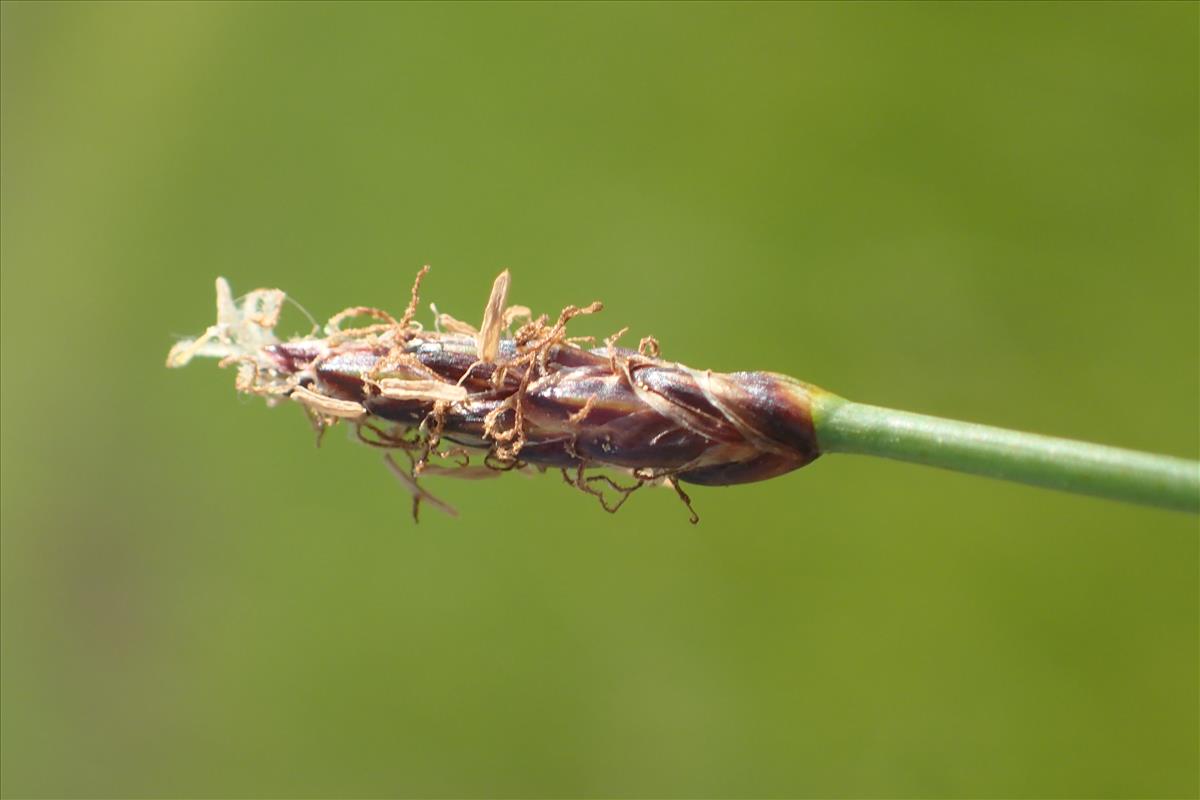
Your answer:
<point x="475" y="402"/>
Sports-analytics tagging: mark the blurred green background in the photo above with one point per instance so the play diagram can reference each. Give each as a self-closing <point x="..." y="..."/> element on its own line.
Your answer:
<point x="981" y="211"/>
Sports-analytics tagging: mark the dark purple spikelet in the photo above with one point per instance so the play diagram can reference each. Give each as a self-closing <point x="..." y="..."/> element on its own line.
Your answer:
<point x="531" y="399"/>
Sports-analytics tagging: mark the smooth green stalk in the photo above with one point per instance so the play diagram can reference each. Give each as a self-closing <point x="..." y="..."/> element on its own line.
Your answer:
<point x="1164" y="481"/>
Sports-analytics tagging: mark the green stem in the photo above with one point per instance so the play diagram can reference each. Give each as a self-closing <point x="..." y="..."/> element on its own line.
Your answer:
<point x="1164" y="481"/>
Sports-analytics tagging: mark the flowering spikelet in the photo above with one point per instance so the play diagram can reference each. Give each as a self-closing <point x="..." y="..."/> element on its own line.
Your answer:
<point x="476" y="403"/>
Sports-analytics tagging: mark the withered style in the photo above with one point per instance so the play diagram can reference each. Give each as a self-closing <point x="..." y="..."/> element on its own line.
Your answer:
<point x="475" y="403"/>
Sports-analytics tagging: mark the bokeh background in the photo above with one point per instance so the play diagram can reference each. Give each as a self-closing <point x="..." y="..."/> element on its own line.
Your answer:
<point x="985" y="211"/>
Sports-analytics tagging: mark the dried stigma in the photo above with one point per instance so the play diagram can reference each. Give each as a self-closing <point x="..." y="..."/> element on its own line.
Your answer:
<point x="475" y="403"/>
